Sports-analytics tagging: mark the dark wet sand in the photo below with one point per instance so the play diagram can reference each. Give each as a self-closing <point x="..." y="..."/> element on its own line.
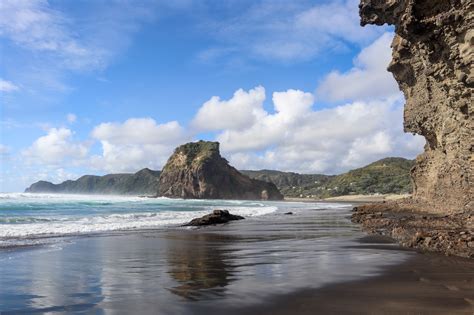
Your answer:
<point x="425" y="284"/>
<point x="307" y="263"/>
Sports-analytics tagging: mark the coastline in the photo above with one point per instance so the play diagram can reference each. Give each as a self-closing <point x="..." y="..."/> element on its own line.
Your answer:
<point x="274" y="264"/>
<point x="209" y="270"/>
<point x="353" y="198"/>
<point x="180" y="270"/>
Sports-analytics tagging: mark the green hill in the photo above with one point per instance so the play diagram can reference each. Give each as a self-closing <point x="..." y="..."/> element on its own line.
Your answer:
<point x="389" y="175"/>
<point x="143" y="182"/>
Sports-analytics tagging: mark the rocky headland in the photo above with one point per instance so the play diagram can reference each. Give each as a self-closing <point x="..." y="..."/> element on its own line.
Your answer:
<point x="197" y="170"/>
<point x="433" y="50"/>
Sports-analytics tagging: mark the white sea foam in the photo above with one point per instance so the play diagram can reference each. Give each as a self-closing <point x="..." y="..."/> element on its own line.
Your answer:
<point x="33" y="215"/>
<point x="115" y="222"/>
<point x="36" y="215"/>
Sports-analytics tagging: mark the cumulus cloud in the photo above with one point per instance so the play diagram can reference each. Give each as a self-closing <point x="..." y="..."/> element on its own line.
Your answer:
<point x="241" y="111"/>
<point x="298" y="137"/>
<point x="368" y="78"/>
<point x="136" y="143"/>
<point x="55" y="148"/>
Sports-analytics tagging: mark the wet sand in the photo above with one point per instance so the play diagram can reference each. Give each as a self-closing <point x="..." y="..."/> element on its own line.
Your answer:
<point x="424" y="284"/>
<point x="312" y="262"/>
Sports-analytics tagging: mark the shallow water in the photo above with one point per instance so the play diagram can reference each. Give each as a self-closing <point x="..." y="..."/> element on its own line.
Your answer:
<point x="172" y="270"/>
<point x="24" y="215"/>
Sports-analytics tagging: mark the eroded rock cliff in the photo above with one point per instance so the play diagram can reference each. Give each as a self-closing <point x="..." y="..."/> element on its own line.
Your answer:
<point x="197" y="170"/>
<point x="433" y="51"/>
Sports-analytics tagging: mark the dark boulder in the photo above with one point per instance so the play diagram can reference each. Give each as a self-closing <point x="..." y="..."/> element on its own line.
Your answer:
<point x="216" y="217"/>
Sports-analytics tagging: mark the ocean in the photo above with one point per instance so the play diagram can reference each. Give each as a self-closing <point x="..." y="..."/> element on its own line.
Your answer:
<point x="24" y="215"/>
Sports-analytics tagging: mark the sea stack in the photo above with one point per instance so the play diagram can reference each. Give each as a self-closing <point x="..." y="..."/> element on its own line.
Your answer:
<point x="197" y="170"/>
<point x="433" y="52"/>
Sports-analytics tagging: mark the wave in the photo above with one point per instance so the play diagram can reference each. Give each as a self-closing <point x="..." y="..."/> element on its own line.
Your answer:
<point x="36" y="215"/>
<point x="70" y="197"/>
<point x="113" y="222"/>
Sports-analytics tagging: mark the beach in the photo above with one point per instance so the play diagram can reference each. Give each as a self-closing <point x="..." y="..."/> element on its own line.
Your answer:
<point x="315" y="260"/>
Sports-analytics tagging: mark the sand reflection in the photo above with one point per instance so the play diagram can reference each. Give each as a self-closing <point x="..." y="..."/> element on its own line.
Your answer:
<point x="200" y="266"/>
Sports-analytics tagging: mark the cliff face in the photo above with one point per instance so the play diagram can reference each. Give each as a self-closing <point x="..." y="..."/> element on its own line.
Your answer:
<point x="197" y="170"/>
<point x="144" y="182"/>
<point x="433" y="50"/>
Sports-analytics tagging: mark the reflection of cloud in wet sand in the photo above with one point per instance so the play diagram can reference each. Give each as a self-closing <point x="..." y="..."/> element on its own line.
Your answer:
<point x="198" y="265"/>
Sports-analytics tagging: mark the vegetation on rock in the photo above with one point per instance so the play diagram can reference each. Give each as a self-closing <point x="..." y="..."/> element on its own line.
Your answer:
<point x="197" y="170"/>
<point x="143" y="182"/>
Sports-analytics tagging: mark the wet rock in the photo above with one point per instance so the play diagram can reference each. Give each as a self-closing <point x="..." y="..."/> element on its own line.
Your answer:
<point x="216" y="217"/>
<point x="413" y="228"/>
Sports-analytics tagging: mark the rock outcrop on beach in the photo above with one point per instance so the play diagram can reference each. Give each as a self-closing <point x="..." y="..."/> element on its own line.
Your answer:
<point x="143" y="182"/>
<point x="216" y="217"/>
<point x="197" y="170"/>
<point x="450" y="234"/>
<point x="433" y="53"/>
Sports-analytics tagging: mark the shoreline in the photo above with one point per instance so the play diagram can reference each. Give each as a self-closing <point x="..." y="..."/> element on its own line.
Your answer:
<point x="352" y="198"/>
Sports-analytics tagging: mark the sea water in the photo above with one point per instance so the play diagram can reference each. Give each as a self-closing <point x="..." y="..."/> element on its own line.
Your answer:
<point x="34" y="215"/>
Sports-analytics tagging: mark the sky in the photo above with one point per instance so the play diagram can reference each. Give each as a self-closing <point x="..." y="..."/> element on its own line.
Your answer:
<point x="96" y="87"/>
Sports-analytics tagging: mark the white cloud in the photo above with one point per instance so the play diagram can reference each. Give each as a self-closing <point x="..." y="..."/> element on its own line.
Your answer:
<point x="34" y="25"/>
<point x="298" y="137"/>
<point x="286" y="31"/>
<point x="56" y="148"/>
<point x="241" y="111"/>
<point x="136" y="143"/>
<point x="71" y="118"/>
<point x="292" y="103"/>
<point x="7" y="86"/>
<point x="368" y="78"/>
<point x="46" y="41"/>
<point x="139" y="131"/>
<point x="336" y="18"/>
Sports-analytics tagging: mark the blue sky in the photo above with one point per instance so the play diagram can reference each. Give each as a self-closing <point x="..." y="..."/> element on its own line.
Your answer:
<point x="113" y="86"/>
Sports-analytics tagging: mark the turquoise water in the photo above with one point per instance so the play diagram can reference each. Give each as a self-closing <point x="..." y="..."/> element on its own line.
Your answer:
<point x="33" y="215"/>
